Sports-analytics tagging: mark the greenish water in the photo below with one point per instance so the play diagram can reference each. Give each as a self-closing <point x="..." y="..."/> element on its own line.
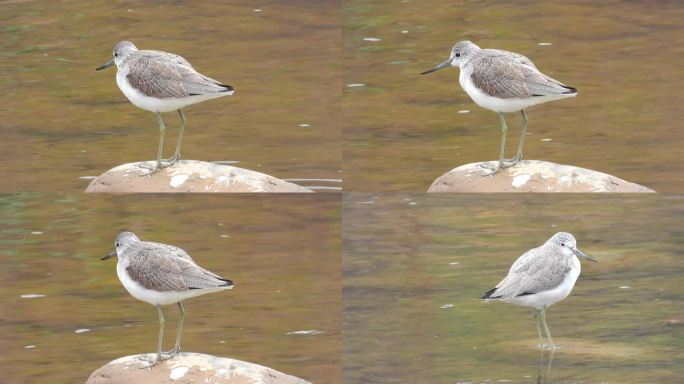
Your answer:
<point x="62" y="120"/>
<point x="415" y="265"/>
<point x="282" y="252"/>
<point x="403" y="130"/>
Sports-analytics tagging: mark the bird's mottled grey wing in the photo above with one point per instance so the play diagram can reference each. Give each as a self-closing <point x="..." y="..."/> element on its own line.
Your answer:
<point x="171" y="250"/>
<point x="178" y="59"/>
<point x="163" y="76"/>
<point x="154" y="269"/>
<point x="197" y="277"/>
<point x="535" y="271"/>
<point x="499" y="75"/>
<point x="510" y="75"/>
<point x="520" y="58"/>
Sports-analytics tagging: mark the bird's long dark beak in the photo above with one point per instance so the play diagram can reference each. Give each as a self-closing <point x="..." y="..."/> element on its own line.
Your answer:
<point x="106" y="65"/>
<point x="579" y="253"/>
<point x="109" y="255"/>
<point x="438" y="67"/>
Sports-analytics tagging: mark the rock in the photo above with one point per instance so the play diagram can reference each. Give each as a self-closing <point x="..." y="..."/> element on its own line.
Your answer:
<point x="189" y="176"/>
<point x="531" y="176"/>
<point x="189" y="368"/>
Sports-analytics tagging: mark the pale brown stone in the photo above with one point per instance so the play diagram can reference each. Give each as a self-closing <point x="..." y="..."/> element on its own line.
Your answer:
<point x="189" y="368"/>
<point x="189" y="176"/>
<point x="531" y="176"/>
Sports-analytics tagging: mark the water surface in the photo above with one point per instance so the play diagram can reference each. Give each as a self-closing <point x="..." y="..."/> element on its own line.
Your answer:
<point x="64" y="313"/>
<point x="61" y="119"/>
<point x="403" y="130"/>
<point x="415" y="266"/>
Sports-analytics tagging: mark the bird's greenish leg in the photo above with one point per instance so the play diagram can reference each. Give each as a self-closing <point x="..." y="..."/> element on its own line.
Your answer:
<point x="537" y="319"/>
<point x="176" y="348"/>
<point x="551" y="345"/>
<point x="158" y="357"/>
<point x="500" y="165"/>
<point x="518" y="155"/>
<point x="158" y="164"/>
<point x="176" y="155"/>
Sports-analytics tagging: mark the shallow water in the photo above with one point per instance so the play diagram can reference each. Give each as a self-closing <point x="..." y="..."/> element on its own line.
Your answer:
<point x="403" y="130"/>
<point x="282" y="252"/>
<point x="61" y="119"/>
<point x="415" y="266"/>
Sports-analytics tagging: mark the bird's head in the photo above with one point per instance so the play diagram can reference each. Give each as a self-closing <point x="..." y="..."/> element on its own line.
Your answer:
<point x="123" y="240"/>
<point x="568" y="245"/>
<point x="122" y="50"/>
<point x="460" y="53"/>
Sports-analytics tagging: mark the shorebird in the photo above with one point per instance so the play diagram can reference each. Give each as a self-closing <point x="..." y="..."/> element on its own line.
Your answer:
<point x="542" y="277"/>
<point x="161" y="274"/>
<point x="503" y="81"/>
<point x="158" y="82"/>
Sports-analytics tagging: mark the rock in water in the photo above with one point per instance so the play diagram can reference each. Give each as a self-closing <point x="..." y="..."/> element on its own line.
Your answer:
<point x="189" y="176"/>
<point x="189" y="368"/>
<point x="531" y="176"/>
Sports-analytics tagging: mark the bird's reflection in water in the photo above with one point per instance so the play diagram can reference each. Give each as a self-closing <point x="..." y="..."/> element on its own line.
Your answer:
<point x="544" y="372"/>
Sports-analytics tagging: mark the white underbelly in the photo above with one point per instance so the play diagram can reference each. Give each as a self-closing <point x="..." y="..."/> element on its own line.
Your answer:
<point x="502" y="105"/>
<point x="154" y="104"/>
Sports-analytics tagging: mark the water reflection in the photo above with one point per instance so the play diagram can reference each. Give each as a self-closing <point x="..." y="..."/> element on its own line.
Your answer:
<point x="544" y="372"/>
<point x="415" y="267"/>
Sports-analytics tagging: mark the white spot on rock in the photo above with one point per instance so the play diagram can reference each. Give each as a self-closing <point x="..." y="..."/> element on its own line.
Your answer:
<point x="30" y="346"/>
<point x="624" y="287"/>
<point x="178" y="180"/>
<point x="36" y="233"/>
<point x="544" y="44"/>
<point x="354" y="85"/>
<point x="446" y="306"/>
<point x="462" y="111"/>
<point x="546" y="140"/>
<point x="520" y="180"/>
<point x="177" y="373"/>
<point x="373" y="39"/>
<point x="82" y="330"/>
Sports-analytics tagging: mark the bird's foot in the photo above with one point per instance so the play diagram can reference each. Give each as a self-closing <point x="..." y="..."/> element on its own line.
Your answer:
<point x="170" y="354"/>
<point x="514" y="160"/>
<point x="171" y="160"/>
<point x="149" y="360"/>
<point x="495" y="169"/>
<point x="150" y="168"/>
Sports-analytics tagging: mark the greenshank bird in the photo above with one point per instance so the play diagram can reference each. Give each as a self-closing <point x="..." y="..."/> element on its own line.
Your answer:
<point x="161" y="274"/>
<point x="503" y="81"/>
<point x="159" y="82"/>
<point x="540" y="278"/>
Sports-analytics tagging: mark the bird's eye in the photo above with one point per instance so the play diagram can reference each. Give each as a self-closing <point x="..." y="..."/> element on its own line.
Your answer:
<point x="117" y="244"/>
<point x="116" y="54"/>
<point x="562" y="244"/>
<point x="457" y="54"/>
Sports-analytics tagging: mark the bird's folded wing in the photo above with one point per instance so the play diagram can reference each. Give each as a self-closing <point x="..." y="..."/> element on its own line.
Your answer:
<point x="533" y="272"/>
<point x="154" y="269"/>
<point x="157" y="76"/>
<point x="500" y="76"/>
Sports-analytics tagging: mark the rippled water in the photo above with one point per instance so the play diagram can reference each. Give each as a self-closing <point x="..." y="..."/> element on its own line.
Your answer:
<point x="415" y="266"/>
<point x="61" y="119"/>
<point x="403" y="130"/>
<point x="63" y="312"/>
